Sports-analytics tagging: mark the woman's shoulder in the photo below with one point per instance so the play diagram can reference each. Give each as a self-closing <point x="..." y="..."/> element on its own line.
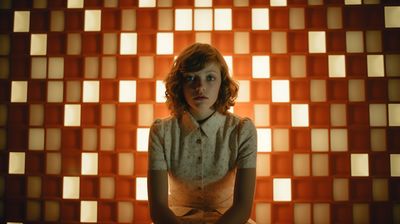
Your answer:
<point x="236" y="120"/>
<point x="164" y="122"/>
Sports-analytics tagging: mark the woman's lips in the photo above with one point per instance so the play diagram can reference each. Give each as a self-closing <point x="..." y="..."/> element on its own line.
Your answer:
<point x="200" y="98"/>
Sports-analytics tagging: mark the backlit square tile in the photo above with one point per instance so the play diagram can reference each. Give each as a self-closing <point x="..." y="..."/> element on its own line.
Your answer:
<point x="282" y="188"/>
<point x="359" y="165"/>
<point x="260" y="18"/>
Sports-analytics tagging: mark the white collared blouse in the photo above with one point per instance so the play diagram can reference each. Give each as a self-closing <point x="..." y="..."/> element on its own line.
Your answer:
<point x="201" y="159"/>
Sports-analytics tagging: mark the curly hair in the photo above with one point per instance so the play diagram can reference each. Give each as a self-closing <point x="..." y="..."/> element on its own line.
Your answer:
<point x="193" y="59"/>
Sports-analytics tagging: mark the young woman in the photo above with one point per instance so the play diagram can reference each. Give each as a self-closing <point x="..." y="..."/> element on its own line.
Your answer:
<point x="202" y="159"/>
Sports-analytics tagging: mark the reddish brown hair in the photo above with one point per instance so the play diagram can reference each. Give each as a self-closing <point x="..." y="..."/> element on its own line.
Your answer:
<point x="193" y="59"/>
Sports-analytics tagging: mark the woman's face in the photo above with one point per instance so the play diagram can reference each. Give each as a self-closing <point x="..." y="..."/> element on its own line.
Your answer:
<point x="201" y="89"/>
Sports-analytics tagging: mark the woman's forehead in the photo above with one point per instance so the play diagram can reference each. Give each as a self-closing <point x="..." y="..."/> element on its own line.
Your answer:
<point x="209" y="67"/>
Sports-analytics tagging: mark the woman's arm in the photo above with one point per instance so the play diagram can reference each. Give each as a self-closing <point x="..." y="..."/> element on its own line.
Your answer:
<point x="157" y="188"/>
<point x="243" y="198"/>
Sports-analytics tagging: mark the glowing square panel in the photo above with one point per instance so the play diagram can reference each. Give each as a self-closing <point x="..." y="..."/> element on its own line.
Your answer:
<point x="337" y="66"/>
<point x="300" y="115"/>
<point x="92" y="20"/>
<point x="165" y="43"/>
<point x="89" y="164"/>
<point x="392" y="16"/>
<point x="280" y="91"/>
<point x="380" y="190"/>
<point x="147" y="3"/>
<point x="356" y="90"/>
<point x="296" y="18"/>
<point x="89" y="139"/>
<point x="338" y="140"/>
<point x="183" y="19"/>
<point x="53" y="139"/>
<point x="203" y="3"/>
<point x="377" y="115"/>
<point x="36" y="139"/>
<point x="301" y="213"/>
<point x="261" y="115"/>
<point x="203" y="19"/>
<point x="71" y="187"/>
<point x="263" y="213"/>
<point x="338" y="115"/>
<point x="259" y="19"/>
<point x="145" y="114"/>
<point x="278" y="3"/>
<point x="125" y="164"/>
<point x="38" y="44"/>
<point x="319" y="140"/>
<point x="21" y="21"/>
<point x="142" y="139"/>
<point x="128" y="44"/>
<point x="354" y="42"/>
<point x="395" y="165"/>
<point x="318" y="90"/>
<point x="56" y="68"/>
<point x="282" y="188"/>
<point x="244" y="91"/>
<point x="16" y="163"/>
<point x="352" y="2"/>
<point x="53" y="163"/>
<point x="91" y="91"/>
<point x="223" y="19"/>
<point x="392" y="65"/>
<point x="301" y="164"/>
<point x="334" y="17"/>
<point x="316" y="42"/>
<point x="278" y="42"/>
<point x="127" y="91"/>
<point x="89" y="211"/>
<point x="38" y="68"/>
<point x="378" y="139"/>
<point x="74" y="91"/>
<point x="263" y="165"/>
<point x="72" y="115"/>
<point x="146" y="67"/>
<point x="260" y="67"/>
<point x="229" y="63"/>
<point x="75" y="4"/>
<point x="55" y="91"/>
<point x="141" y="188"/>
<point x="280" y="140"/>
<point x="160" y="92"/>
<point x="125" y="213"/>
<point x="320" y="164"/>
<point x="264" y="143"/>
<point x="19" y="91"/>
<point x="340" y="189"/>
<point x="321" y="213"/>
<point x="359" y="165"/>
<point x="394" y="111"/>
<point x="375" y="66"/>
<point x="297" y="66"/>
<point x="241" y="42"/>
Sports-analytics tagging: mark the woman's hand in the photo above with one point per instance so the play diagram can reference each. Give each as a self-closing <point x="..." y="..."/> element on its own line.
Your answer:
<point x="157" y="187"/>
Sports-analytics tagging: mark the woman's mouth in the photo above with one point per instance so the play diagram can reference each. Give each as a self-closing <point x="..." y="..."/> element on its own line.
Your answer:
<point x="200" y="98"/>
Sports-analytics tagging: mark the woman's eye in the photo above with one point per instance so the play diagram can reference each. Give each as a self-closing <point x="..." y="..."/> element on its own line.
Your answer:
<point x="189" y="78"/>
<point x="210" y="78"/>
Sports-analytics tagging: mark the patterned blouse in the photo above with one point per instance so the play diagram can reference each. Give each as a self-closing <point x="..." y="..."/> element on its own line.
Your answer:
<point x="201" y="159"/>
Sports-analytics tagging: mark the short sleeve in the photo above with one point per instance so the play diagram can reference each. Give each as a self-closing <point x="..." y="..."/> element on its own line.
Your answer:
<point x="156" y="150"/>
<point x="247" y="152"/>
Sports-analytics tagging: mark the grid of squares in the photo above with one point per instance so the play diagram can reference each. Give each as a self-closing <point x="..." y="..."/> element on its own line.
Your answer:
<point x="81" y="82"/>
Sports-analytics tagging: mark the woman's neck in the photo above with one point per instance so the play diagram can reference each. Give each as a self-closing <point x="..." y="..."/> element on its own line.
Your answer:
<point x="202" y="116"/>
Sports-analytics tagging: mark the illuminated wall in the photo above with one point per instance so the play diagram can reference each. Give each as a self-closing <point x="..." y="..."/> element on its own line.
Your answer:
<point x="80" y="83"/>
